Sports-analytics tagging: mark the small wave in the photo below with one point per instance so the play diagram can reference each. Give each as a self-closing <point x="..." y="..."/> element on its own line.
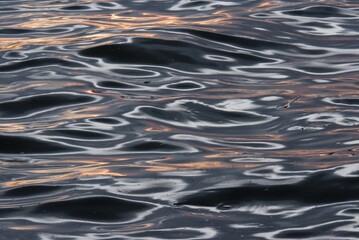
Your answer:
<point x="195" y="114"/>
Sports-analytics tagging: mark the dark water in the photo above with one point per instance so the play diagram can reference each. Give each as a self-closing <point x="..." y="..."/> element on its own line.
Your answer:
<point x="180" y="119"/>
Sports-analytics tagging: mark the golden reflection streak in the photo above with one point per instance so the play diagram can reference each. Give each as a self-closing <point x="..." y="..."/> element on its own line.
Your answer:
<point x="198" y="166"/>
<point x="124" y="22"/>
<point x="269" y="5"/>
<point x="85" y="112"/>
<point x="264" y="4"/>
<point x="28" y="228"/>
<point x="254" y="138"/>
<point x="88" y="168"/>
<point x="13" y="127"/>
<point x="223" y="155"/>
<point x="158" y="129"/>
<point x="17" y="43"/>
<point x="48" y="179"/>
<point x="30" y="126"/>
<point x="101" y="172"/>
<point x="105" y="23"/>
<point x="86" y="172"/>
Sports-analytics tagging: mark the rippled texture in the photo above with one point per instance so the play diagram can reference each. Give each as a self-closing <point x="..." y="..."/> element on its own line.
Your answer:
<point x="179" y="119"/>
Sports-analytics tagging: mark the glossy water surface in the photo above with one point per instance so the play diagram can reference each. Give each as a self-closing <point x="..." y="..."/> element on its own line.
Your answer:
<point x="179" y="119"/>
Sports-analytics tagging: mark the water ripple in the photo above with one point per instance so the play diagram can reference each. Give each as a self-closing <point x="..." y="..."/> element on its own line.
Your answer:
<point x="307" y="191"/>
<point x="179" y="119"/>
<point x="195" y="114"/>
<point x="30" y="106"/>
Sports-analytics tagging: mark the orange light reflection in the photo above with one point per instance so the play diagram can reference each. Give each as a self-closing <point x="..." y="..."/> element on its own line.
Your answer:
<point x="28" y="228"/>
<point x="114" y="25"/>
<point x="165" y="167"/>
<point x="84" y="113"/>
<point x="53" y="174"/>
<point x="28" y="126"/>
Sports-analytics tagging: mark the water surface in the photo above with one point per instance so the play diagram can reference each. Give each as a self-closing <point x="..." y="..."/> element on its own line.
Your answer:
<point x="179" y="119"/>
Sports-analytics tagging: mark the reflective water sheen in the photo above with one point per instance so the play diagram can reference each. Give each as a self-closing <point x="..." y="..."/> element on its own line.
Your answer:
<point x="179" y="119"/>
